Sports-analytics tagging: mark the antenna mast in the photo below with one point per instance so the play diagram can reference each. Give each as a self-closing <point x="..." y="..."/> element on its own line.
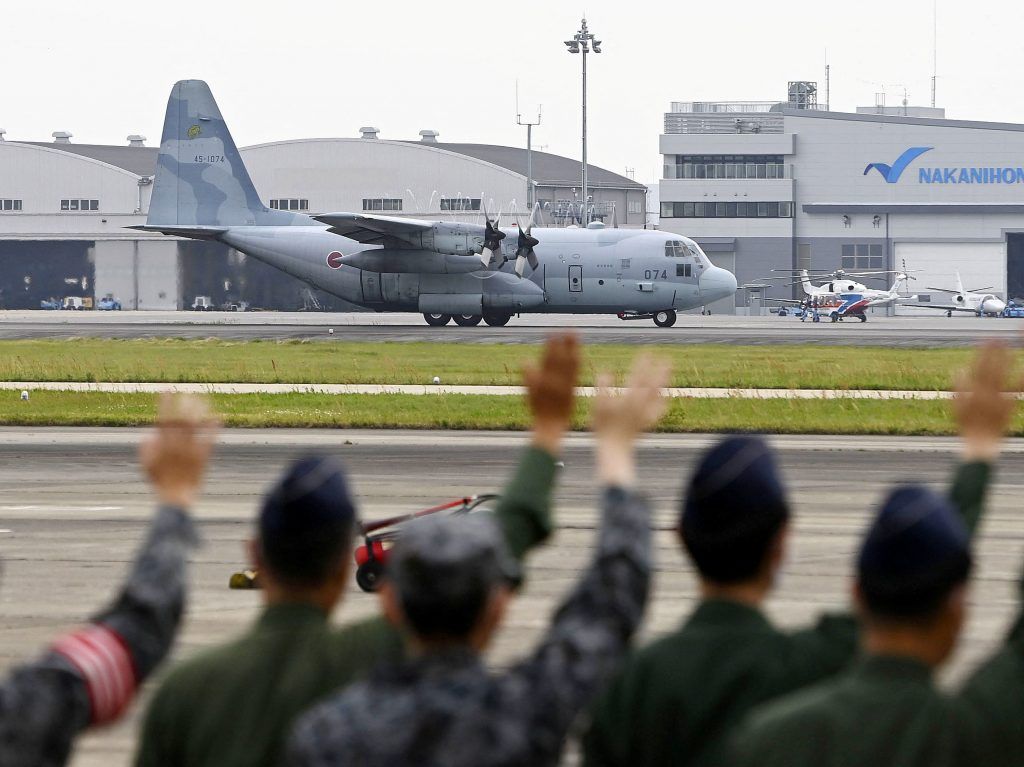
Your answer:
<point x="529" y="149"/>
<point x="828" y="100"/>
<point x="935" y="46"/>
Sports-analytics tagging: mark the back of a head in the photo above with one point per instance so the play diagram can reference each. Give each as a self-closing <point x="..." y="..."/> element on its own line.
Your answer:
<point x="916" y="552"/>
<point x="444" y="570"/>
<point x="734" y="507"/>
<point x="305" y="524"/>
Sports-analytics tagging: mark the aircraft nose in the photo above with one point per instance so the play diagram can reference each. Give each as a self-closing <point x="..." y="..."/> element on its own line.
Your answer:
<point x="995" y="305"/>
<point x="717" y="283"/>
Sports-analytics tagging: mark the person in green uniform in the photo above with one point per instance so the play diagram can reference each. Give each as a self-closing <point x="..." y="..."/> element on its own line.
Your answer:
<point x="678" y="700"/>
<point x="235" y="704"/>
<point x="911" y="585"/>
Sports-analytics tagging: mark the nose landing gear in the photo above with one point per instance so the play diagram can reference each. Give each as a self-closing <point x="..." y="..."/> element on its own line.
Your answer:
<point x="665" y="319"/>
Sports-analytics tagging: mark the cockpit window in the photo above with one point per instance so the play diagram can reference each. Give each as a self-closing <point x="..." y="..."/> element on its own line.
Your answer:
<point x="676" y="249"/>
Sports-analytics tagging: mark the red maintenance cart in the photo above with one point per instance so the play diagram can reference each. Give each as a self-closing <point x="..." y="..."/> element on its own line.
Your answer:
<point x="380" y="535"/>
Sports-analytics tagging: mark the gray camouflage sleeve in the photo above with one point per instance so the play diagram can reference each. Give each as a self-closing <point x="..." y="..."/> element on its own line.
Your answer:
<point x="591" y="631"/>
<point x="89" y="676"/>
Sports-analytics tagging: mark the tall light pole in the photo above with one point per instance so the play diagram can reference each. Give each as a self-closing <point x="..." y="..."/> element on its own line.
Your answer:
<point x="583" y="41"/>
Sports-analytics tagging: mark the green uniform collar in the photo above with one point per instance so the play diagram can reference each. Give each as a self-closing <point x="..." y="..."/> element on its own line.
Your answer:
<point x="290" y="615"/>
<point x="727" y="612"/>
<point x="892" y="668"/>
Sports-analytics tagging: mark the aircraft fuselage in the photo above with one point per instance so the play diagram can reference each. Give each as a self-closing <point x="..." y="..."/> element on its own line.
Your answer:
<point x="579" y="271"/>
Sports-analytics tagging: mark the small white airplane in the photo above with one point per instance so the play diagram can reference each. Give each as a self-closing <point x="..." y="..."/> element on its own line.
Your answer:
<point x="975" y="301"/>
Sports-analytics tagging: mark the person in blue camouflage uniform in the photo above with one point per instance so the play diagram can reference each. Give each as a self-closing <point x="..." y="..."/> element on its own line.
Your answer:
<point x="446" y="588"/>
<point x="88" y="677"/>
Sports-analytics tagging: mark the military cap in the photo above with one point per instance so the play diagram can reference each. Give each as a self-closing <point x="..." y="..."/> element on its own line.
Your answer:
<point x="915" y="552"/>
<point x="735" y="492"/>
<point x="312" y="495"/>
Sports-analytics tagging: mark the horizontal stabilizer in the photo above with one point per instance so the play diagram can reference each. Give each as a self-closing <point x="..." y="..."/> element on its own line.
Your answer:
<point x="192" y="232"/>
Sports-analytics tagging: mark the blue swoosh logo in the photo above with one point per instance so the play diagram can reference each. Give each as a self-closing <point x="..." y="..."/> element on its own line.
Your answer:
<point x="892" y="173"/>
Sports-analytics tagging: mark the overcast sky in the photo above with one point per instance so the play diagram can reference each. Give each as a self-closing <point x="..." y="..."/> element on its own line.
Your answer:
<point x="103" y="68"/>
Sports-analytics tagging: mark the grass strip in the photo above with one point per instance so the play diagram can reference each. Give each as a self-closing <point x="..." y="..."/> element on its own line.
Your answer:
<point x="455" y="411"/>
<point x="710" y="365"/>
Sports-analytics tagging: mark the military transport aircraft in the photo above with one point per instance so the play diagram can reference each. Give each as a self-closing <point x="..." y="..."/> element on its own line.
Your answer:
<point x="443" y="269"/>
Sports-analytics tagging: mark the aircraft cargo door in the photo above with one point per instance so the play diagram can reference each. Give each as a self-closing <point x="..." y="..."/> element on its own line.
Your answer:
<point x="576" y="279"/>
<point x="371" y="287"/>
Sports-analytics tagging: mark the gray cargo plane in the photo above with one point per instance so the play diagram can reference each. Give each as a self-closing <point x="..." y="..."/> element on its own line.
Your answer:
<point x="442" y="269"/>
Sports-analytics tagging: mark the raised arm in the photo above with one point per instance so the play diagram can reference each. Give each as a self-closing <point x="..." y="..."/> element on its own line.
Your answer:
<point x="89" y="676"/>
<point x="590" y="632"/>
<point x="983" y="411"/>
<point x="524" y="511"/>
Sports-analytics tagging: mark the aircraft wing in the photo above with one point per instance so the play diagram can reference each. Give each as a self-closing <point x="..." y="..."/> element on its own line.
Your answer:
<point x="944" y="307"/>
<point x="373" y="230"/>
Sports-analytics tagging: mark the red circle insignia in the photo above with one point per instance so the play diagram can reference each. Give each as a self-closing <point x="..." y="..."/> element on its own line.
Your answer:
<point x="334" y="259"/>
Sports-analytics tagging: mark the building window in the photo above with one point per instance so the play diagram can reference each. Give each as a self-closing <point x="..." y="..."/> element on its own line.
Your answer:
<point x="732" y="166"/>
<point x="10" y="206"/>
<point x="634" y="206"/>
<point x="382" y="203"/>
<point x="78" y="204"/>
<point x="289" y="203"/>
<point x="862" y="256"/>
<point x="727" y="209"/>
<point x="460" y="203"/>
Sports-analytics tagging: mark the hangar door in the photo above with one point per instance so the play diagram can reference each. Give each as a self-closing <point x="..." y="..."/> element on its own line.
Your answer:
<point x="981" y="264"/>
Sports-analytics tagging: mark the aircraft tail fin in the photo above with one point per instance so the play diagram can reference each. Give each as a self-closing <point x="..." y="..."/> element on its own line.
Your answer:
<point x="805" y="282"/>
<point x="200" y="178"/>
<point x="959" y="283"/>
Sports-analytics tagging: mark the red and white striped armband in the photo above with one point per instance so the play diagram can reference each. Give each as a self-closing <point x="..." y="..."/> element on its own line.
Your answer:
<point x="105" y="664"/>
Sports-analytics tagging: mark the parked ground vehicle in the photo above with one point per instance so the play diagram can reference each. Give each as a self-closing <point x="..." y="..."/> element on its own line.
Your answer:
<point x="108" y="304"/>
<point x="1013" y="309"/>
<point x="202" y="304"/>
<point x="50" y="304"/>
<point x="379" y="536"/>
<point x="76" y="303"/>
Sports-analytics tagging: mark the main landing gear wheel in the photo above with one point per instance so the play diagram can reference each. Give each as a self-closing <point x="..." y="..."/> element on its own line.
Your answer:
<point x="437" y="320"/>
<point x="467" y="320"/>
<point x="665" y="319"/>
<point x="497" y="320"/>
<point x="863" y="317"/>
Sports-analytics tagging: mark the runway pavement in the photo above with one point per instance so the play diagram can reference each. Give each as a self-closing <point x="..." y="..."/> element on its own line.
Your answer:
<point x="917" y="331"/>
<point x="73" y="506"/>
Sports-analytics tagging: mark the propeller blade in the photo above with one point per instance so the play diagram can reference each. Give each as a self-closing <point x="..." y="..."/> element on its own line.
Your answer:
<point x="524" y="250"/>
<point x="520" y="265"/>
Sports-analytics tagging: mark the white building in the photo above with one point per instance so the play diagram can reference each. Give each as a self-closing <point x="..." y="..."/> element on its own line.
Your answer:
<point x="790" y="185"/>
<point x="65" y="209"/>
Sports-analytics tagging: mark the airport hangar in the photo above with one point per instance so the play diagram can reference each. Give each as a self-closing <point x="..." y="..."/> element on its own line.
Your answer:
<point x="64" y="209"/>
<point x="791" y="185"/>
